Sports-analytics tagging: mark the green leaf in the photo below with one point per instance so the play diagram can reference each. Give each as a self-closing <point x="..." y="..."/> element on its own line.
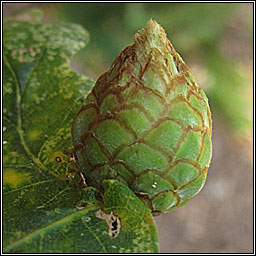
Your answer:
<point x="45" y="207"/>
<point x="40" y="217"/>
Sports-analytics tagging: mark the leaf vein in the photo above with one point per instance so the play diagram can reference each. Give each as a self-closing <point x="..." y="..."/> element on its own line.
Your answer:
<point x="19" y="121"/>
<point x="96" y="237"/>
<point x="29" y="237"/>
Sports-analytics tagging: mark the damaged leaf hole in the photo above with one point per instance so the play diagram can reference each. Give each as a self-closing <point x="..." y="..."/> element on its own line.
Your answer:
<point x="114" y="228"/>
<point x="113" y="222"/>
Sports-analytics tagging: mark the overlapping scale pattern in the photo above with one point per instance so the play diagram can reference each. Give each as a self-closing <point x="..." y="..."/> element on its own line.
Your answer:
<point x="146" y="123"/>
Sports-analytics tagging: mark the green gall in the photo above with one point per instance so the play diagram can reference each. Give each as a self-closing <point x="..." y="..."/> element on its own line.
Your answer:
<point x="147" y="124"/>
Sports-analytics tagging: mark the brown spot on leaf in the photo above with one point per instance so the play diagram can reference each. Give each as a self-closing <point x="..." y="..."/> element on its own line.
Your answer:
<point x="58" y="159"/>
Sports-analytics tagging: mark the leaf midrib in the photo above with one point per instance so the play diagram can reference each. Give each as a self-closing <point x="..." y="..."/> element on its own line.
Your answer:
<point x="53" y="225"/>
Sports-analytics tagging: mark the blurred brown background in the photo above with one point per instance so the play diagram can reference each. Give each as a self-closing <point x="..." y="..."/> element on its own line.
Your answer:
<point x="216" y="42"/>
